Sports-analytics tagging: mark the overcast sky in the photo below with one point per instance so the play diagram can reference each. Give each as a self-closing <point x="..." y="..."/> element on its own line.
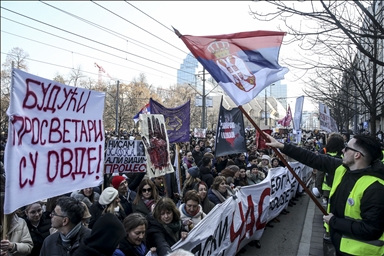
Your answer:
<point x="144" y="43"/>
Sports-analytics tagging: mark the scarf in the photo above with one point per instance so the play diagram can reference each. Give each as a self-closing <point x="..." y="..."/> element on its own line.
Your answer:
<point x="219" y="195"/>
<point x="190" y="215"/>
<point x="173" y="229"/>
<point x="148" y="202"/>
<point x="141" y="249"/>
<point x="66" y="239"/>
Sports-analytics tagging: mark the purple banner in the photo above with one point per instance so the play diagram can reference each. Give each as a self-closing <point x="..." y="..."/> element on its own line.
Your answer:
<point x="177" y="120"/>
<point x="230" y="138"/>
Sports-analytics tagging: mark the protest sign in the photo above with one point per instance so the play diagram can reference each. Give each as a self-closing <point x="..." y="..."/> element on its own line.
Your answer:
<point x="200" y="132"/>
<point x="125" y="156"/>
<point x="55" y="140"/>
<point x="155" y="138"/>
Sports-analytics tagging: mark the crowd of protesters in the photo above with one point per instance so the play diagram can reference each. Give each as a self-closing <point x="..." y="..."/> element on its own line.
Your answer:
<point x="133" y="214"/>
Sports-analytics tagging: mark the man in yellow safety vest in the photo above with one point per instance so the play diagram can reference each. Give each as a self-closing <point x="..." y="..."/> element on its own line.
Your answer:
<point x="356" y="202"/>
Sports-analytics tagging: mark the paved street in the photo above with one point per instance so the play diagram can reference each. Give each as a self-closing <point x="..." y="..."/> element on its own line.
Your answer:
<point x="300" y="232"/>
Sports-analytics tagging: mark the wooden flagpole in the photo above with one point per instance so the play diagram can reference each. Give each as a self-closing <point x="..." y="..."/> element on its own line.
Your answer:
<point x="285" y="162"/>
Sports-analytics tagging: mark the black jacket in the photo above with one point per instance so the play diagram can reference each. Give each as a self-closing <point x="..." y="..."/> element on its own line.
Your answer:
<point x="371" y="226"/>
<point x="39" y="233"/>
<point x="52" y="245"/>
<point x="157" y="236"/>
<point x="206" y="175"/>
<point x="107" y="233"/>
<point x="197" y="155"/>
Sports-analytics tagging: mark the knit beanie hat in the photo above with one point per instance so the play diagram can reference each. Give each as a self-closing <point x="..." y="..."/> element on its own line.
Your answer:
<point x="194" y="171"/>
<point x="252" y="167"/>
<point x="107" y="196"/>
<point x="266" y="157"/>
<point x="116" y="181"/>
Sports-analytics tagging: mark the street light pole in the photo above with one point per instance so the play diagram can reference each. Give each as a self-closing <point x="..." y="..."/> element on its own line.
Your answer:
<point x="203" y="107"/>
<point x="265" y="113"/>
<point x="117" y="107"/>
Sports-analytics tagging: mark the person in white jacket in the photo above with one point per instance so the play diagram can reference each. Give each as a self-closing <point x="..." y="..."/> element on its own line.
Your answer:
<point x="18" y="240"/>
<point x="191" y="211"/>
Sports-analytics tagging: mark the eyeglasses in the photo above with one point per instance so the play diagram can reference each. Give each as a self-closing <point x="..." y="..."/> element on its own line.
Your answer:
<point x="348" y="148"/>
<point x="146" y="190"/>
<point x="55" y="214"/>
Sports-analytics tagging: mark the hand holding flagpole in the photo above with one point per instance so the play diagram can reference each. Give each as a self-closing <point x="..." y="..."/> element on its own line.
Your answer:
<point x="274" y="144"/>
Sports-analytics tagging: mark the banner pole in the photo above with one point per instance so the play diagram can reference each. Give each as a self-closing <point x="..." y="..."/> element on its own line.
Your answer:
<point x="285" y="162"/>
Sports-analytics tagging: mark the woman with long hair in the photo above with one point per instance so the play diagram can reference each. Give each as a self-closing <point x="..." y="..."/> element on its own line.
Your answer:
<point x="192" y="178"/>
<point x="242" y="180"/>
<point x="134" y="244"/>
<point x="165" y="227"/>
<point x="18" y="241"/>
<point x="202" y="189"/>
<point x="38" y="223"/>
<point x="145" y="198"/>
<point x="219" y="191"/>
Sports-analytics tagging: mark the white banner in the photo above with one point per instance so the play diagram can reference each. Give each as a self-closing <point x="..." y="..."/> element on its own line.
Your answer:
<point x="327" y="123"/>
<point x="232" y="224"/>
<point x="155" y="138"/>
<point x="280" y="191"/>
<point x="298" y="113"/>
<point x="125" y="156"/>
<point x="241" y="219"/>
<point x="55" y="140"/>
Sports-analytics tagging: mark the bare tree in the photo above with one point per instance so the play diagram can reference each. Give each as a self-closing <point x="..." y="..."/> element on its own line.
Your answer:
<point x="18" y="58"/>
<point x="339" y="56"/>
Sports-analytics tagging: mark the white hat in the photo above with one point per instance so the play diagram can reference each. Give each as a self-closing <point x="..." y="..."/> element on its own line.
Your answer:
<point x="316" y="192"/>
<point x="108" y="195"/>
<point x="266" y="157"/>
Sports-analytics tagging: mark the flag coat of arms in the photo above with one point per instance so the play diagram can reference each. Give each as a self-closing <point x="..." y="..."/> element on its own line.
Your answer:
<point x="242" y="63"/>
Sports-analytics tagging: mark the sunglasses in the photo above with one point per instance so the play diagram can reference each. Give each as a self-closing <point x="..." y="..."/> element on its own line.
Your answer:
<point x="348" y="148"/>
<point x="146" y="190"/>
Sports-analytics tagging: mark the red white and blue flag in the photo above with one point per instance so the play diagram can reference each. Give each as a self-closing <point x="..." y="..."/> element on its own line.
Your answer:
<point x="242" y="63"/>
<point x="144" y="110"/>
<point x="286" y="121"/>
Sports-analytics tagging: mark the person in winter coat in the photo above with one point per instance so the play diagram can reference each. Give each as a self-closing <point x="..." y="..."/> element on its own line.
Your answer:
<point x="66" y="218"/>
<point x="86" y="195"/>
<point x="197" y="154"/>
<point x="192" y="176"/>
<point x="254" y="175"/>
<point x="202" y="189"/>
<point x="219" y="191"/>
<point x="205" y="171"/>
<point x="109" y="201"/>
<point x="191" y="211"/>
<point x="146" y="197"/>
<point x="134" y="243"/>
<point x="242" y="180"/>
<point x="356" y="202"/>
<point x="106" y="235"/>
<point x="38" y="223"/>
<point x="19" y="241"/>
<point x="165" y="227"/>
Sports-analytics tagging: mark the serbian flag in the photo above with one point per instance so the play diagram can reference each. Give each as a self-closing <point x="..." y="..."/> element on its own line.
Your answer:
<point x="286" y="121"/>
<point x="144" y="110"/>
<point x="243" y="64"/>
